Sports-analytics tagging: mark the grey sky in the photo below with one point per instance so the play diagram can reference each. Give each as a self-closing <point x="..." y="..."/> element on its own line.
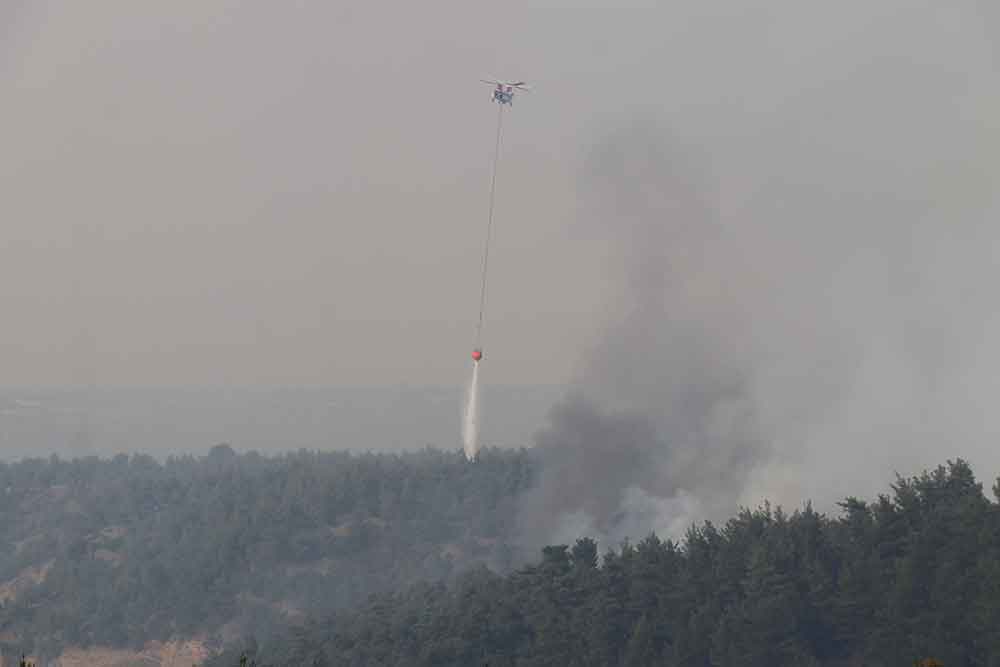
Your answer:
<point x="282" y="192"/>
<point x="258" y="192"/>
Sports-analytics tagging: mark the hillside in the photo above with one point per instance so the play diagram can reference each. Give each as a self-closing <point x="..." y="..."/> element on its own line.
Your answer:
<point x="914" y="574"/>
<point x="118" y="553"/>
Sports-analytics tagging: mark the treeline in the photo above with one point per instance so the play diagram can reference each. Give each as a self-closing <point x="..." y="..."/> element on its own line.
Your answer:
<point x="913" y="575"/>
<point x="119" y="552"/>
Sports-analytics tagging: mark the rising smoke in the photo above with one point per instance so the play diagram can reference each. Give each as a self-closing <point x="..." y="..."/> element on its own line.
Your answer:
<point x="659" y="429"/>
<point x="805" y="354"/>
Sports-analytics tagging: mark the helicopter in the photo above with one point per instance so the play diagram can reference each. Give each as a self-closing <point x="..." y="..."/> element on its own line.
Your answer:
<point x="504" y="91"/>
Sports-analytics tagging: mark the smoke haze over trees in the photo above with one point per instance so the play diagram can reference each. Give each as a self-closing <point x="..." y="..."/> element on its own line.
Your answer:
<point x="907" y="576"/>
<point x="236" y="548"/>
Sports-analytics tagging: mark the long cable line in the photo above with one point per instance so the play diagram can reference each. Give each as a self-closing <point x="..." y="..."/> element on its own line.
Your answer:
<point x="489" y="229"/>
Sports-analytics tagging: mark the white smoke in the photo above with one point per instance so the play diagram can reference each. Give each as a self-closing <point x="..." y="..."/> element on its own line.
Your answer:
<point x="470" y="418"/>
<point x="639" y="513"/>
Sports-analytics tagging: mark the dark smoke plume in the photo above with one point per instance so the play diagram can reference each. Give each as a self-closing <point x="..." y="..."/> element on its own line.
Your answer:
<point x="816" y="315"/>
<point x="658" y="430"/>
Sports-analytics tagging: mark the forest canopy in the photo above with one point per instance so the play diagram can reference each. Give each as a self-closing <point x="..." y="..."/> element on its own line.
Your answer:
<point x="122" y="551"/>
<point x="911" y="575"/>
<point x="410" y="559"/>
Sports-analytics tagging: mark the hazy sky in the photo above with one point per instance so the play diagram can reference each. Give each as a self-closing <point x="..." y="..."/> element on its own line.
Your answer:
<point x="233" y="192"/>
